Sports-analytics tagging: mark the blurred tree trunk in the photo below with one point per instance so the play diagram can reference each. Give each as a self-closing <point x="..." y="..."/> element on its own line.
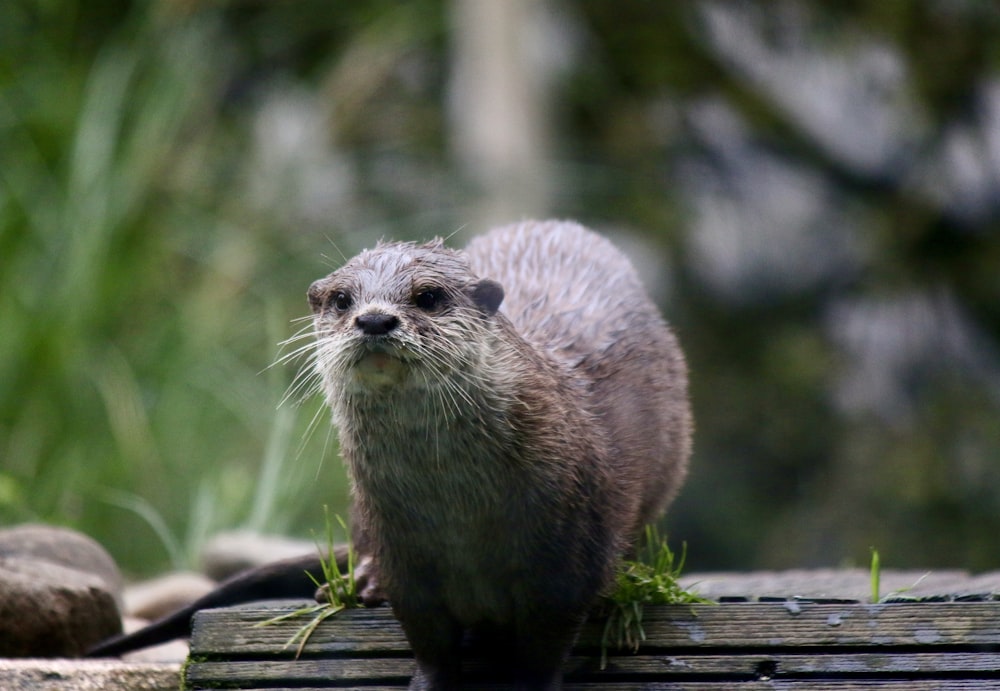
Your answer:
<point x="499" y="106"/>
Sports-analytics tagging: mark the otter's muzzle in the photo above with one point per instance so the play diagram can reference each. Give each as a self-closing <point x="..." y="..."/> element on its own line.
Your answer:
<point x="376" y="323"/>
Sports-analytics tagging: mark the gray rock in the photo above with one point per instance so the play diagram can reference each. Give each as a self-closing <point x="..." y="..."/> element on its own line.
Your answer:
<point x="850" y="584"/>
<point x="228" y="553"/>
<point x="87" y="675"/>
<point x="171" y="651"/>
<point x="49" y="610"/>
<point x="155" y="598"/>
<point x="65" y="547"/>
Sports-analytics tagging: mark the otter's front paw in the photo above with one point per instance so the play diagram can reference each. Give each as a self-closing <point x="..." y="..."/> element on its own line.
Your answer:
<point x="365" y="582"/>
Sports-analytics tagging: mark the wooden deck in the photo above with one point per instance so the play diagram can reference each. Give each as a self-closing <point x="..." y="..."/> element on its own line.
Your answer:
<point x="949" y="638"/>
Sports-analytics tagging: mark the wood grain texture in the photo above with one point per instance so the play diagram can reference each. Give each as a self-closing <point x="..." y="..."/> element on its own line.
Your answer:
<point x="783" y="645"/>
<point x="788" y="624"/>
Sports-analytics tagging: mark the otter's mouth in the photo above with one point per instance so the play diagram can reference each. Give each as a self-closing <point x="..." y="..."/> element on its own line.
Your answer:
<point x="379" y="364"/>
<point x="378" y="360"/>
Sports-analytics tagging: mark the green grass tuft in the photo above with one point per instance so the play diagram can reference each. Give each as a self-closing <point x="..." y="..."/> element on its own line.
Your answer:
<point x="652" y="579"/>
<point x="340" y="587"/>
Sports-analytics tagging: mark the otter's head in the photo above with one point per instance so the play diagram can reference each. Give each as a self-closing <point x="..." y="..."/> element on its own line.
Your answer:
<point x="400" y="316"/>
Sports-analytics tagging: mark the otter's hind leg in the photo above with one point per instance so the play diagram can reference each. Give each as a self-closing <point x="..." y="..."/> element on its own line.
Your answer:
<point x="543" y="642"/>
<point x="436" y="641"/>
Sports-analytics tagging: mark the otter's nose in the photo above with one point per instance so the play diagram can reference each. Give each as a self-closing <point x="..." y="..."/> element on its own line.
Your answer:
<point x="376" y="324"/>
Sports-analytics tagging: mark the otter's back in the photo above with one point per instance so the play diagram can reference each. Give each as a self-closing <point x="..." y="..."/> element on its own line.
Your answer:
<point x="574" y="295"/>
<point x="567" y="290"/>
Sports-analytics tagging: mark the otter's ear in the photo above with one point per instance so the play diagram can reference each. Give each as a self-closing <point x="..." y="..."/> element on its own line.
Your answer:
<point x="315" y="295"/>
<point x="487" y="295"/>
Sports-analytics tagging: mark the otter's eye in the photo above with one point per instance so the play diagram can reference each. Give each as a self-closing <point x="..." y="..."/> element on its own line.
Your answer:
<point x="341" y="301"/>
<point x="430" y="299"/>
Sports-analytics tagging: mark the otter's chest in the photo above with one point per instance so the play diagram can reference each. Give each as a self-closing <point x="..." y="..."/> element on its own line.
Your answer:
<point x="450" y="505"/>
<point x="454" y="483"/>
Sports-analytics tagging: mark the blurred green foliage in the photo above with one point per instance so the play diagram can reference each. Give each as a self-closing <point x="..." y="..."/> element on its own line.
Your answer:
<point x="173" y="175"/>
<point x="141" y="300"/>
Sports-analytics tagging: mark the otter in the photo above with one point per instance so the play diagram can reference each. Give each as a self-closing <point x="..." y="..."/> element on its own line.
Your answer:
<point x="511" y="416"/>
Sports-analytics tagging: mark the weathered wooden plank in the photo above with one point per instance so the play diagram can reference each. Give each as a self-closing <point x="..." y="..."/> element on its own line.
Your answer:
<point x="297" y="672"/>
<point x="726" y="685"/>
<point x="241" y="632"/>
<point x="234" y="632"/>
<point x="788" y="645"/>
<point x="853" y="584"/>
<point x="792" y="685"/>
<point x="793" y="624"/>
<point x="751" y="665"/>
<point x="654" y="667"/>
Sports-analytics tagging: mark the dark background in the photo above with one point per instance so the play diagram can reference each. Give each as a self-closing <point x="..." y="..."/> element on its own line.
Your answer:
<point x="810" y="189"/>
